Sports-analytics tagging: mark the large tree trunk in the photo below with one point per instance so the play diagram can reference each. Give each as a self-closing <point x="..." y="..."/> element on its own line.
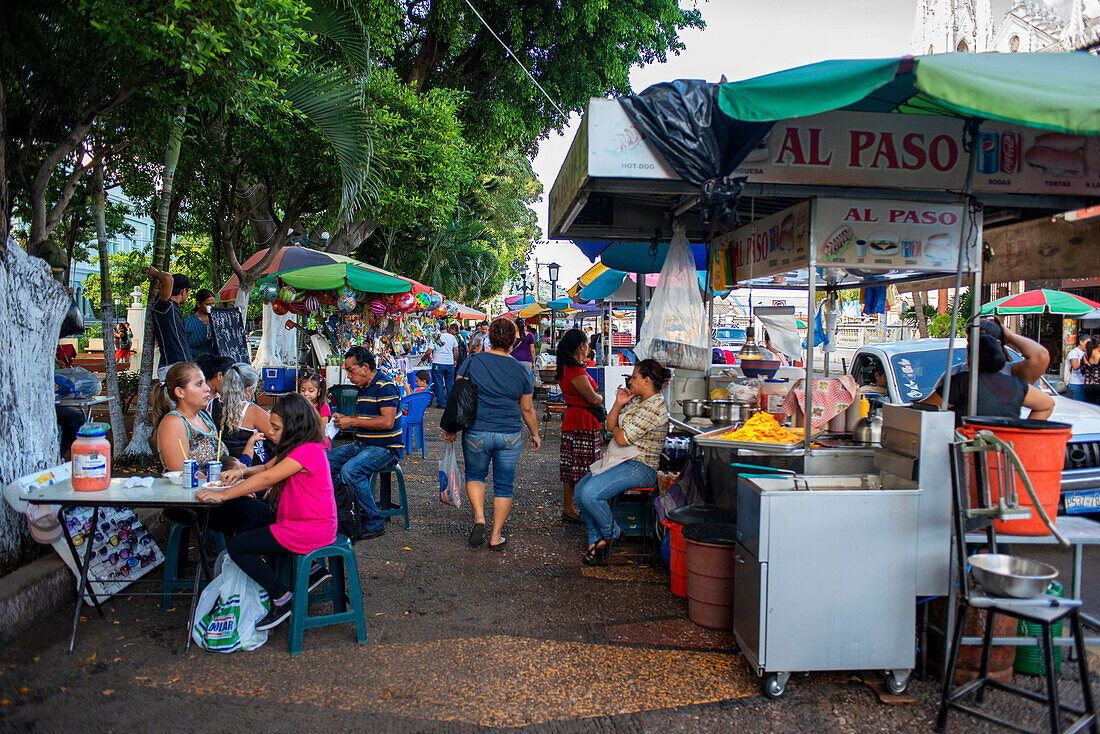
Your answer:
<point x="32" y="306"/>
<point x="919" y="300"/>
<point x="118" y="424"/>
<point x="139" y="443"/>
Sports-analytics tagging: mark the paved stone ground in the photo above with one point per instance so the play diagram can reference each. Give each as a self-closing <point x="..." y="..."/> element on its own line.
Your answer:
<point x="460" y="639"/>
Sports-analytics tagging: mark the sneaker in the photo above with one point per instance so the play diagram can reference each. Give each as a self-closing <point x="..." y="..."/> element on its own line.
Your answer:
<point x="274" y="618"/>
<point x="317" y="577"/>
<point x="368" y="534"/>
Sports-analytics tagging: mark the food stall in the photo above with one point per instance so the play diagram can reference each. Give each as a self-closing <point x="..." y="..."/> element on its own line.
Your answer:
<point x="838" y="188"/>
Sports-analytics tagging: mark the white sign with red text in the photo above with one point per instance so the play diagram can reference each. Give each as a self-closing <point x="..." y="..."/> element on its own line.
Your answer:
<point x="773" y="245"/>
<point x="883" y="235"/>
<point x="922" y="152"/>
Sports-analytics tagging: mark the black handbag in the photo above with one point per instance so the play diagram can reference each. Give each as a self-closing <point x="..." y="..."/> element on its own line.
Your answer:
<point x="597" y="412"/>
<point x="461" y="410"/>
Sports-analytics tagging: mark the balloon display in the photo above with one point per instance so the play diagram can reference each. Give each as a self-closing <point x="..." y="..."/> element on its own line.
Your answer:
<point x="269" y="292"/>
<point x="312" y="303"/>
<point x="435" y="300"/>
<point x="377" y="306"/>
<point x="280" y="308"/>
<point x="423" y="301"/>
<point x="346" y="301"/>
<point x="287" y="294"/>
<point x="406" y="302"/>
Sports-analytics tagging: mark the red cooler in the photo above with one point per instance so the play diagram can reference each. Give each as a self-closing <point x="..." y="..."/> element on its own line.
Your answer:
<point x="677" y="519"/>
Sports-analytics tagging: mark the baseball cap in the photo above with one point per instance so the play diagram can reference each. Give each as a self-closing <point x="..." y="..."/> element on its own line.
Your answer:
<point x="180" y="283"/>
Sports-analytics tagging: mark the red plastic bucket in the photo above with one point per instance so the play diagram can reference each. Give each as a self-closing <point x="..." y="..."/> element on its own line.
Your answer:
<point x="1041" y="446"/>
<point x="677" y="556"/>
<point x="677" y="546"/>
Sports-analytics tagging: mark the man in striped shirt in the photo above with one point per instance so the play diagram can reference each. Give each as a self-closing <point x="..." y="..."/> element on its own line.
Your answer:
<point x="378" y="443"/>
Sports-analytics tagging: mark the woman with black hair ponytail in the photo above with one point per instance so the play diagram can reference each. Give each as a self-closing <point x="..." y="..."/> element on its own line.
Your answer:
<point x="300" y="484"/>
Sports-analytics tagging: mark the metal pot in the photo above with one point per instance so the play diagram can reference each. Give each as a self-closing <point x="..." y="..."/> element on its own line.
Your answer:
<point x="728" y="411"/>
<point x="695" y="408"/>
<point x="869" y="427"/>
<point x="1012" y="576"/>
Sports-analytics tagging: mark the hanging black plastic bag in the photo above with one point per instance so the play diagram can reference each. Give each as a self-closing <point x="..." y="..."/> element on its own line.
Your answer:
<point x="73" y="325"/>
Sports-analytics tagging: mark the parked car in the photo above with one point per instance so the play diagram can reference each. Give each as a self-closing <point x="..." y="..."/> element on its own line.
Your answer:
<point x="912" y="369"/>
<point x="253" y="340"/>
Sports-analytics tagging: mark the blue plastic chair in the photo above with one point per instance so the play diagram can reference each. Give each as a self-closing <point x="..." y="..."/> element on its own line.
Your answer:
<point x="413" y="423"/>
<point x="176" y="563"/>
<point x="410" y="379"/>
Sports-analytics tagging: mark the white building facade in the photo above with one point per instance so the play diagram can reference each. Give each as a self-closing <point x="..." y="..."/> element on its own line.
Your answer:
<point x="943" y="26"/>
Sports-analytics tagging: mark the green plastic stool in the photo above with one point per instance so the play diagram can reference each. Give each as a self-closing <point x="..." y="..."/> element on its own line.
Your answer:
<point x="403" y="508"/>
<point x="339" y="558"/>
<point x="176" y="563"/>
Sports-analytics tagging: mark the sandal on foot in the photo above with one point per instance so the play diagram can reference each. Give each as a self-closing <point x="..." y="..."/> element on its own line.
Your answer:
<point x="477" y="535"/>
<point x="499" y="546"/>
<point x="596" y="555"/>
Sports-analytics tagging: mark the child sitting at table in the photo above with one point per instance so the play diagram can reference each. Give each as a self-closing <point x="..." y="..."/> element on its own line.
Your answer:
<point x="301" y="488"/>
<point x="313" y="388"/>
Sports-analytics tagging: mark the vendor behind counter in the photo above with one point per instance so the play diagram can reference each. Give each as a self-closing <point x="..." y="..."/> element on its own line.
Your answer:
<point x="999" y="394"/>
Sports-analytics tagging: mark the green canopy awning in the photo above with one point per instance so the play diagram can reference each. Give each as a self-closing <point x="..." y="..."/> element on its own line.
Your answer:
<point x="1054" y="91"/>
<point x="339" y="274"/>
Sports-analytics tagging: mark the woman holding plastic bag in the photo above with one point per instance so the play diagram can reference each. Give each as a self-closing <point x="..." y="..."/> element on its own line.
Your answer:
<point x="300" y="484"/>
<point x="504" y="405"/>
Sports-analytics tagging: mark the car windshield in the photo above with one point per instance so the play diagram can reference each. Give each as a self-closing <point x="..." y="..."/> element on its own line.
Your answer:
<point x="918" y="372"/>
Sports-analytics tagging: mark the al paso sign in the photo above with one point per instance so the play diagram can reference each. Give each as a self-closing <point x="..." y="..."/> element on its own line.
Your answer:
<point x="885" y="235"/>
<point x="922" y="152"/>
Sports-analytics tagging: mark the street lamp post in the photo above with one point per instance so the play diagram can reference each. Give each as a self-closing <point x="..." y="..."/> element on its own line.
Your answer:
<point x="552" y="271"/>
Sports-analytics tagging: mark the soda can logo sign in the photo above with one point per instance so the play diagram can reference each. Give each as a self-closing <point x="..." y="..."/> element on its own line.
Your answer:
<point x="988" y="151"/>
<point x="1011" y="152"/>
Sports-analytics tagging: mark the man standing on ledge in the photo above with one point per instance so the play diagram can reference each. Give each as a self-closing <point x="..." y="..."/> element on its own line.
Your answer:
<point x="168" y="328"/>
<point x="378" y="443"/>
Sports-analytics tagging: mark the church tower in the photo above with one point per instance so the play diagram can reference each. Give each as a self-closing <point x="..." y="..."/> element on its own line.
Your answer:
<point x="942" y="26"/>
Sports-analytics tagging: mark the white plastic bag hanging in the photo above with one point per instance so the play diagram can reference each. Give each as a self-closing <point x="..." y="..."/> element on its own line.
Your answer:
<point x="449" y="492"/>
<point x="229" y="609"/>
<point x="674" y="331"/>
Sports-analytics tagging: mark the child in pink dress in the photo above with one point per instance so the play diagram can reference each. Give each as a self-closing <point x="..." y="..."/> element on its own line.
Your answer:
<point x="300" y="484"/>
<point x="312" y="387"/>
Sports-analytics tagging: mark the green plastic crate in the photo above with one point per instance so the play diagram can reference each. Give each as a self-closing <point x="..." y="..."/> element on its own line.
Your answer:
<point x="1029" y="658"/>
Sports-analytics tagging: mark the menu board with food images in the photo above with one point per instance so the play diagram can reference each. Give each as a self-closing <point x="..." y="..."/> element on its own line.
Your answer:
<point x="772" y="245"/>
<point x="883" y="235"/>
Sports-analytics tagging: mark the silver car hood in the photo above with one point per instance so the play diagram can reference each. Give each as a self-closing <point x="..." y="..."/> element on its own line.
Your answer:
<point x="1084" y="417"/>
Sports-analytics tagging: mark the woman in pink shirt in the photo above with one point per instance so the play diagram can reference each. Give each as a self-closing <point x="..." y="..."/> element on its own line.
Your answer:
<point x="301" y="486"/>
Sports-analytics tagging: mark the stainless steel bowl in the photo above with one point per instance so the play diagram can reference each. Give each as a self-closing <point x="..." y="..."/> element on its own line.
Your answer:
<point x="695" y="408"/>
<point x="1003" y="575"/>
<point x="725" y="412"/>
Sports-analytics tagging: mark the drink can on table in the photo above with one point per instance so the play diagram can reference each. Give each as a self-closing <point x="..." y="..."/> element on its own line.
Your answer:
<point x="190" y="474"/>
<point x="213" y="472"/>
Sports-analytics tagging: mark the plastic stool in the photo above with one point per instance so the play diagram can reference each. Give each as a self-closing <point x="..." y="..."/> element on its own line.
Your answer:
<point x="176" y="563"/>
<point x="639" y="499"/>
<point x="340" y="560"/>
<point x="403" y="508"/>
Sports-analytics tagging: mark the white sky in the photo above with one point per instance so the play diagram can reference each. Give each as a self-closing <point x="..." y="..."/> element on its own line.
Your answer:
<point x="743" y="39"/>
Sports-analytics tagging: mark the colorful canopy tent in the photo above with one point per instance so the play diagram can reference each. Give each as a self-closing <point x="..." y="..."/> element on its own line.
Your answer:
<point x="339" y="274"/>
<point x="532" y="309"/>
<point x="520" y="300"/>
<point x="1041" y="301"/>
<point x="636" y="257"/>
<point x="1054" y="91"/>
<point x="465" y="312"/>
<point x="297" y="257"/>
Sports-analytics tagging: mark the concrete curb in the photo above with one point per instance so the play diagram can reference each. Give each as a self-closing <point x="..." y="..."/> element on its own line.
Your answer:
<point x="42" y="588"/>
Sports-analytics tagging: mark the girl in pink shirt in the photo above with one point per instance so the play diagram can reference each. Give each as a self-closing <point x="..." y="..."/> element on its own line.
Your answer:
<point x="301" y="486"/>
<point x="312" y="388"/>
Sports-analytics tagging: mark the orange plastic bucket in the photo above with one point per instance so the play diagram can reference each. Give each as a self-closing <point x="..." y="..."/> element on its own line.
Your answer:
<point x="1041" y="446"/>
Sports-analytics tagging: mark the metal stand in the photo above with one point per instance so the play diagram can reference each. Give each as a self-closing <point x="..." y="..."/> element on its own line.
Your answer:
<point x="1043" y="612"/>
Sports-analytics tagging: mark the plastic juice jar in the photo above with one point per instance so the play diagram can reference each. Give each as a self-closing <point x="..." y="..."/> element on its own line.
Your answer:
<point x="772" y="394"/>
<point x="91" y="452"/>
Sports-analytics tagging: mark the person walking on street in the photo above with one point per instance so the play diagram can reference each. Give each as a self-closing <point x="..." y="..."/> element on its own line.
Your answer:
<point x="479" y="341"/>
<point x="200" y="332"/>
<point x="1076" y="382"/>
<point x="504" y="406"/>
<point x="168" y="327"/>
<point x="378" y="443"/>
<point x="523" y="349"/>
<point x="443" y="353"/>
<point x="580" y="428"/>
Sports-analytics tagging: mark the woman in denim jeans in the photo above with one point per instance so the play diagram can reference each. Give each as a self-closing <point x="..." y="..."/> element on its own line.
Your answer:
<point x="504" y="404"/>
<point x="639" y="418"/>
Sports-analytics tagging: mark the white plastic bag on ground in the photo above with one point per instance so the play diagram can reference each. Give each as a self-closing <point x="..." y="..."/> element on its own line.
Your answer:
<point x="674" y="331"/>
<point x="229" y="609"/>
<point x="449" y="487"/>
